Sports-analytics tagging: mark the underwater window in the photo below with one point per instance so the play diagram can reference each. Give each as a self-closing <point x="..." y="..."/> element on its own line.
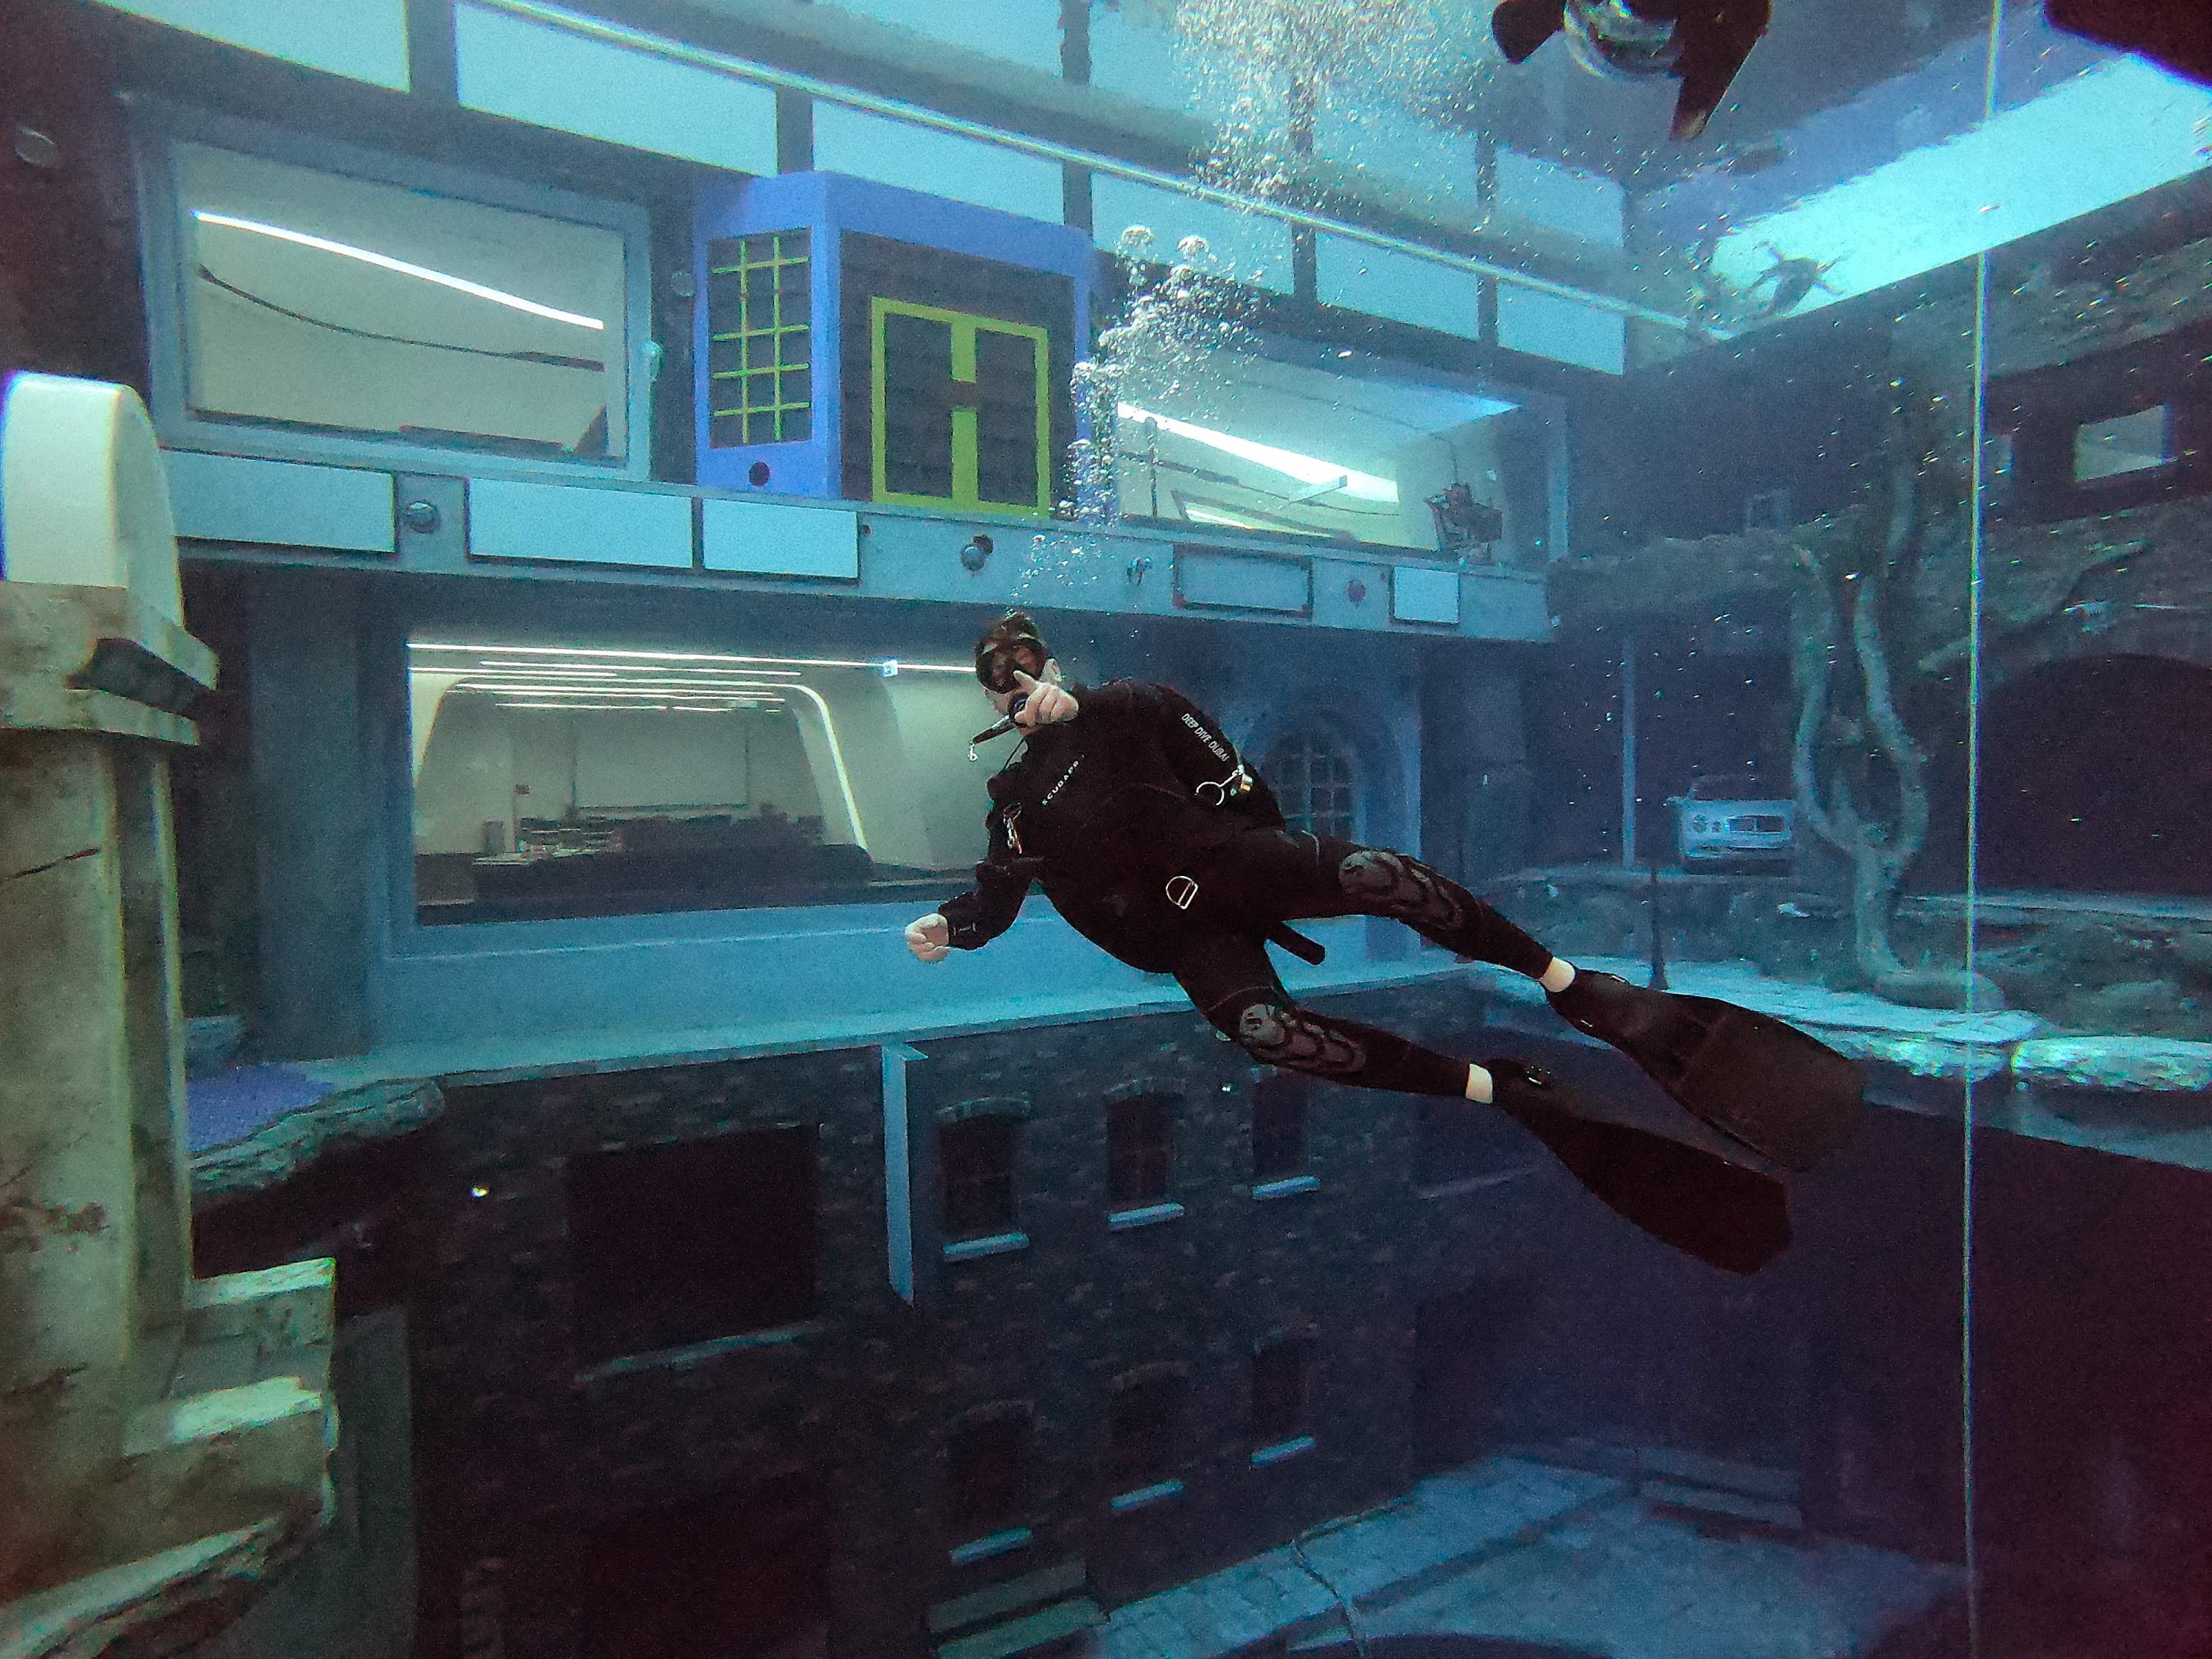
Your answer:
<point x="739" y="1572"/>
<point x="1140" y="1148"/>
<point x="319" y="308"/>
<point x="582" y="779"/>
<point x="976" y="1155"/>
<point x="2126" y="444"/>
<point x="679" y="1244"/>
<point x="1278" y="1127"/>
<point x="1146" y="1424"/>
<point x="985" y="1478"/>
<point x="1280" y="1374"/>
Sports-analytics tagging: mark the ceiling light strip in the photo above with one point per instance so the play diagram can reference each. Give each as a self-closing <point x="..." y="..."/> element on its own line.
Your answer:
<point x="385" y="261"/>
<point x="873" y="665"/>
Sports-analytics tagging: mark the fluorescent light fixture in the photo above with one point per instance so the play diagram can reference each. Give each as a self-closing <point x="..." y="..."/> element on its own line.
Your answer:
<point x="1208" y="515"/>
<point x="385" y="261"/>
<point x="2116" y="131"/>
<point x="652" y="689"/>
<point x="1363" y="486"/>
<point x="873" y="665"/>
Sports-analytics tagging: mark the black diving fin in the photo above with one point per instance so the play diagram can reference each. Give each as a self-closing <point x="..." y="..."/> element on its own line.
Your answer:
<point x="1708" y="1205"/>
<point x="1760" y="1081"/>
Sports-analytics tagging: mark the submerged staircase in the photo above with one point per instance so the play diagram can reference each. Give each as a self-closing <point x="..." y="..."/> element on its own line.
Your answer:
<point x="1037" y="1612"/>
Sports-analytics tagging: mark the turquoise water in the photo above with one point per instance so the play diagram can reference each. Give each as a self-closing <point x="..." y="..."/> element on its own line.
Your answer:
<point x="1763" y="564"/>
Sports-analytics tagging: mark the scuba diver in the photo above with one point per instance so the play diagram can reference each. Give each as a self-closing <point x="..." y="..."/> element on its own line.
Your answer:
<point x="1155" y="842"/>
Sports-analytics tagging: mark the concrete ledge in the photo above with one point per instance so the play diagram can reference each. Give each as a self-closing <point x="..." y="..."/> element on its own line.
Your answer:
<point x="184" y="1590"/>
<point x="343" y="1119"/>
<point x="289" y="1306"/>
<point x="2122" y="1064"/>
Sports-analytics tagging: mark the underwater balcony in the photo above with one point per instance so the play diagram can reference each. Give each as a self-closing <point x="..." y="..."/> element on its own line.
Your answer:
<point x="242" y="510"/>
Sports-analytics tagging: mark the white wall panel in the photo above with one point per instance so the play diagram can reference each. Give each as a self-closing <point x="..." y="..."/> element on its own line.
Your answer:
<point x="1250" y="246"/>
<point x="768" y="539"/>
<point x="1584" y="204"/>
<point x="361" y="40"/>
<point x="894" y="152"/>
<point x="550" y="78"/>
<point x="1403" y="154"/>
<point x="1020" y="30"/>
<point x="509" y="518"/>
<point x="1548" y="325"/>
<point x="1133" y="55"/>
<point x="1403" y="287"/>
<point x="233" y="498"/>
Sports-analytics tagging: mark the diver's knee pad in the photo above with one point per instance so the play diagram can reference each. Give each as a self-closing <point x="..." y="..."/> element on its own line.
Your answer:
<point x="1395" y="885"/>
<point x="1276" y="1035"/>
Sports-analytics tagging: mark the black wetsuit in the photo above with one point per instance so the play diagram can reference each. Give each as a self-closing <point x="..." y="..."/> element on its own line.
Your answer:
<point x="1113" y="812"/>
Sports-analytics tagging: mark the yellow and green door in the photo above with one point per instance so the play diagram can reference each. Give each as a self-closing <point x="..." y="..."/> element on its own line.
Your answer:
<point x="961" y="410"/>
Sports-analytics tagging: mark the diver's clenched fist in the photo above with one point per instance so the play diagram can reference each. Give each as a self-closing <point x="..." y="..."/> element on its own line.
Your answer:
<point x="1048" y="703"/>
<point x="930" y="937"/>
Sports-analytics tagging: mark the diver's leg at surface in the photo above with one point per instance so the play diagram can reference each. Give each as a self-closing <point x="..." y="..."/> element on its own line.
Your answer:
<point x="1696" y="1197"/>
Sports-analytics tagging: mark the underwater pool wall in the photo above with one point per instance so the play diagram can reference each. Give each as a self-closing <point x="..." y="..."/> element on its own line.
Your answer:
<point x="345" y="967"/>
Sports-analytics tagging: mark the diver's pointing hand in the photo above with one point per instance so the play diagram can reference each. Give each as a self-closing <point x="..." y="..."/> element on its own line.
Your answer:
<point x="930" y="937"/>
<point x="1047" y="705"/>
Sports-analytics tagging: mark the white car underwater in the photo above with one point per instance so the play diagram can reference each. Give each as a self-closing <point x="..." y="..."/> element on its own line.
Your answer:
<point x="1715" y="823"/>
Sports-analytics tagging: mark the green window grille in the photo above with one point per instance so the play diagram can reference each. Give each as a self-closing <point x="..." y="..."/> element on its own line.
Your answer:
<point x="760" y="339"/>
<point x="961" y="410"/>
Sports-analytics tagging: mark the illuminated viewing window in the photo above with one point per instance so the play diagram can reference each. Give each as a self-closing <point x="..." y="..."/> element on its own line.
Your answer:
<point x="760" y="336"/>
<point x="2126" y="444"/>
<point x="596" y="780"/>
<point x="318" y="303"/>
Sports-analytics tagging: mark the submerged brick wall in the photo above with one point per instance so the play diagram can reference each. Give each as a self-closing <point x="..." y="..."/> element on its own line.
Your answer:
<point x="529" y="1447"/>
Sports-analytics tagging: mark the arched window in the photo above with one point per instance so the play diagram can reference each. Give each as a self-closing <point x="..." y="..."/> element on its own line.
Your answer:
<point x="1311" y="777"/>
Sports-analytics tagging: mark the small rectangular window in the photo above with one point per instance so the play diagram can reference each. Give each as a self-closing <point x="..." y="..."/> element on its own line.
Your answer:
<point x="1767" y="509"/>
<point x="1147" y="1419"/>
<point x="1279" y="1374"/>
<point x="2126" y="444"/>
<point x="986" y="1475"/>
<point x="976" y="1158"/>
<point x="678" y="1244"/>
<point x="1278" y="1127"/>
<point x="742" y="1573"/>
<point x="760" y="332"/>
<point x="318" y="303"/>
<point x="1139" y="1140"/>
<point x="1452" y="1143"/>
